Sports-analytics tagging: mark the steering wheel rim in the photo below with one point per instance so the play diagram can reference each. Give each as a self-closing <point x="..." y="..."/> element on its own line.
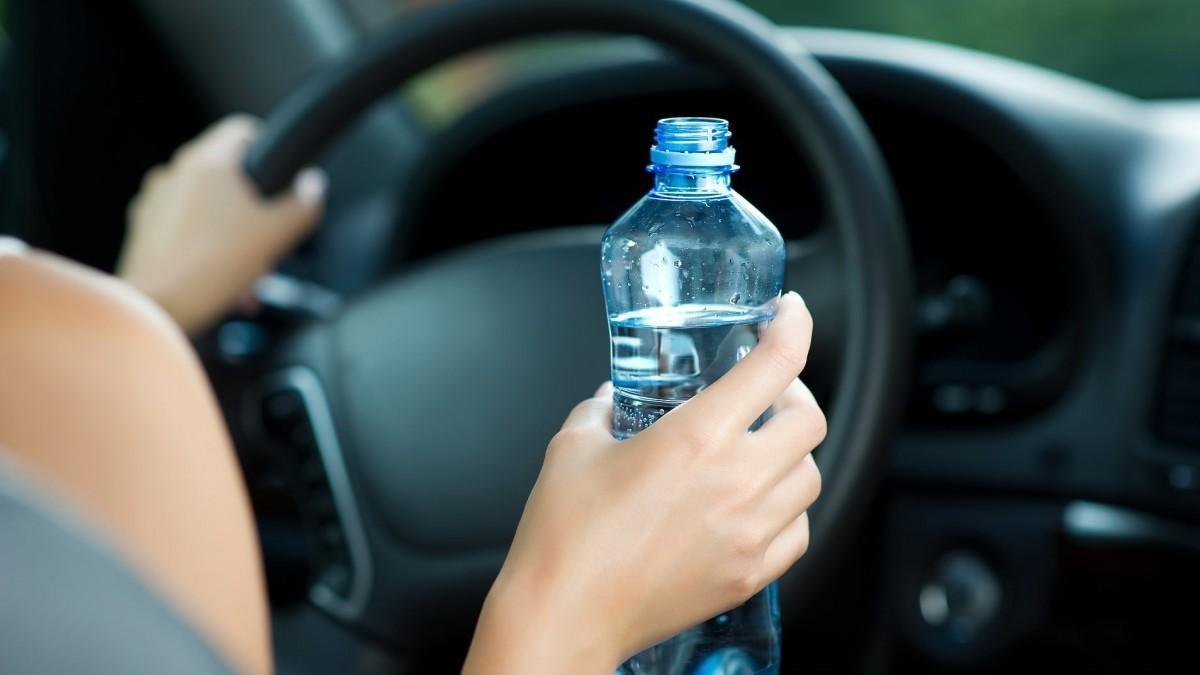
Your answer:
<point x="800" y="95"/>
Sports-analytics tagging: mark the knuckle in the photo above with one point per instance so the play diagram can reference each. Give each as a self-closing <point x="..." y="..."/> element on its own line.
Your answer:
<point x="564" y="439"/>
<point x="814" y="476"/>
<point x="744" y="547"/>
<point x="807" y="424"/>
<point x="583" y="407"/>
<point x="800" y="550"/>
<point x="804" y="541"/>
<point x="203" y="164"/>
<point x="241" y="123"/>
<point x="698" y="438"/>
<point x="746" y="489"/>
<point x="820" y="424"/>
<point x="213" y="160"/>
<point x="743" y="585"/>
<point x="154" y="175"/>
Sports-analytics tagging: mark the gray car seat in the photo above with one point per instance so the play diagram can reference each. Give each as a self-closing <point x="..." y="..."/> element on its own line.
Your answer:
<point x="68" y="605"/>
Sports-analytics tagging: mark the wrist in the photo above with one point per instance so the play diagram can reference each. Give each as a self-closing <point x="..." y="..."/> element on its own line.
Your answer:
<point x="529" y="624"/>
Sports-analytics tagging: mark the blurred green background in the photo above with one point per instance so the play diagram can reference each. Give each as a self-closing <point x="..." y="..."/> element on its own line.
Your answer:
<point x="1148" y="48"/>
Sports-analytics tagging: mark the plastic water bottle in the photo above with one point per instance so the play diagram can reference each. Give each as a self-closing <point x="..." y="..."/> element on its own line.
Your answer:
<point x="691" y="275"/>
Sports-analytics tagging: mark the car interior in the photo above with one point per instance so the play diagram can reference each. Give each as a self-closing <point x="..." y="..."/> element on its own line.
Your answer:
<point x="1002" y="260"/>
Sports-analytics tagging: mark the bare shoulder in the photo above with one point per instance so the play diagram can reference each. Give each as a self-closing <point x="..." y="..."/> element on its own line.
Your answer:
<point x="53" y="301"/>
<point x="102" y="395"/>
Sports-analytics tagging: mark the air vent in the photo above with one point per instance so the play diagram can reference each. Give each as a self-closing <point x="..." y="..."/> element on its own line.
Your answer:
<point x="1177" y="415"/>
<point x="296" y="420"/>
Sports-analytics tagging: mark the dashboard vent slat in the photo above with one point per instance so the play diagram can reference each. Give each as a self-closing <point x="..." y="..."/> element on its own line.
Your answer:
<point x="1177" y="417"/>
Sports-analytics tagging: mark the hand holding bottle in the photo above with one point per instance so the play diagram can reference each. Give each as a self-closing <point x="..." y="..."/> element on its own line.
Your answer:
<point x="625" y="542"/>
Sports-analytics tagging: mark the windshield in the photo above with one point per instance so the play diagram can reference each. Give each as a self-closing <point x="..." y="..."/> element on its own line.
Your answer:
<point x="1148" y="48"/>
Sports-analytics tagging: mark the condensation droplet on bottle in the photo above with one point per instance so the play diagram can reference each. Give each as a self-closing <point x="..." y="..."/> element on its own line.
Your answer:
<point x="664" y="260"/>
<point x="769" y="241"/>
<point x="733" y="299"/>
<point x="678" y="262"/>
<point x="629" y="243"/>
<point x="645" y="287"/>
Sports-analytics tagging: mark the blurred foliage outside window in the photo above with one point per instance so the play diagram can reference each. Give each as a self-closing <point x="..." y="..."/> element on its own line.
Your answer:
<point x="1148" y="48"/>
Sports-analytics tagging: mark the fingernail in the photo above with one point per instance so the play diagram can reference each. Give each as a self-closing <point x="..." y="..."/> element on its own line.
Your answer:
<point x="604" y="391"/>
<point x="311" y="184"/>
<point x="789" y="298"/>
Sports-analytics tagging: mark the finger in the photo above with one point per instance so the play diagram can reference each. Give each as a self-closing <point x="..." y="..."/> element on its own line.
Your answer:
<point x="151" y="189"/>
<point x="793" y="494"/>
<point x="295" y="212"/>
<point x="740" y="396"/>
<point x="222" y="143"/>
<point x="593" y="414"/>
<point x="231" y="131"/>
<point x="787" y="548"/>
<point x="798" y="426"/>
<point x="155" y="175"/>
<point x="797" y="395"/>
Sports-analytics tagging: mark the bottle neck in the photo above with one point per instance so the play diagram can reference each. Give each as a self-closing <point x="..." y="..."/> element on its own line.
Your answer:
<point x="697" y="182"/>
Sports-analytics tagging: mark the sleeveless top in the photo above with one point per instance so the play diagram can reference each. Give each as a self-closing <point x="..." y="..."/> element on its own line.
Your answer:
<point x="11" y="246"/>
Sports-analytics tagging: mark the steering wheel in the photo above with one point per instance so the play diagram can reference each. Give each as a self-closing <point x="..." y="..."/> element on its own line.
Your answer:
<point x="425" y="406"/>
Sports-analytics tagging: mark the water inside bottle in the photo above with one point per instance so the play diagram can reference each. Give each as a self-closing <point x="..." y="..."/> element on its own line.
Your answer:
<point x="662" y="356"/>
